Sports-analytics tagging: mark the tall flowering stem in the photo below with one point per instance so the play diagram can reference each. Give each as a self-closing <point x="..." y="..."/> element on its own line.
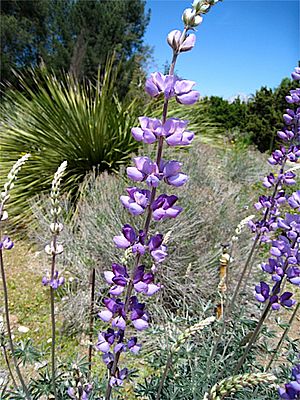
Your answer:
<point x="141" y="281"/>
<point x="282" y="234"/>
<point x="53" y="249"/>
<point x="7" y="244"/>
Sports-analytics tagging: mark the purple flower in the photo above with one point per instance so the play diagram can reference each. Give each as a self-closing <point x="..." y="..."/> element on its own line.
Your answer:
<point x="114" y="308"/>
<point x="144" y="169"/>
<point x="269" y="180"/>
<point x="293" y="275"/>
<point x="172" y="174"/>
<point x="137" y="201"/>
<point x="294" y="154"/>
<point x="105" y="340"/>
<point x="278" y="156"/>
<point x="127" y="238"/>
<point x="138" y="316"/>
<point x="275" y="267"/>
<point x="285" y="135"/>
<point x="175" y="133"/>
<point x="119" y="377"/>
<point x="296" y="74"/>
<point x="55" y="282"/>
<point x="150" y="129"/>
<point x="163" y="207"/>
<point x="117" y="277"/>
<point x="291" y="224"/>
<point x="133" y="346"/>
<point x="289" y="116"/>
<point x="294" y="200"/>
<point x="281" y="247"/>
<point x="171" y="86"/>
<point x="144" y="282"/>
<point x="157" y="249"/>
<point x="291" y="390"/>
<point x="288" y="178"/>
<point x="159" y="83"/>
<point x="294" y="96"/>
<point x="6" y="243"/>
<point x="262" y="292"/>
<point x="286" y="301"/>
<point x="184" y="93"/>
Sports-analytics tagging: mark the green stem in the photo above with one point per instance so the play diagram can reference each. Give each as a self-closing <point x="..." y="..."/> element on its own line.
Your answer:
<point x="9" y="367"/>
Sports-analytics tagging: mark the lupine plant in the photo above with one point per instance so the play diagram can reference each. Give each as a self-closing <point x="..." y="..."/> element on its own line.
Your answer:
<point x="280" y="230"/>
<point x="134" y="277"/>
<point x="124" y="312"/>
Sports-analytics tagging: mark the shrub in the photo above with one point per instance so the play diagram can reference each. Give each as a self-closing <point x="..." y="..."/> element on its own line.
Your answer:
<point x="54" y="120"/>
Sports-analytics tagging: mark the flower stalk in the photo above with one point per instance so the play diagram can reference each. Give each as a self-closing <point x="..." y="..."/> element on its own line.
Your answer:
<point x="6" y="243"/>
<point x="53" y="249"/>
<point x="173" y="132"/>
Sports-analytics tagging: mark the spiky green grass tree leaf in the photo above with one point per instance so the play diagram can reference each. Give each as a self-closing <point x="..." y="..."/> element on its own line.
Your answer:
<point x="58" y="120"/>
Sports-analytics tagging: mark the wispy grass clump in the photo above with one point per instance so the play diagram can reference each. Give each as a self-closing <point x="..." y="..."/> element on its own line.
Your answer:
<point x="209" y="220"/>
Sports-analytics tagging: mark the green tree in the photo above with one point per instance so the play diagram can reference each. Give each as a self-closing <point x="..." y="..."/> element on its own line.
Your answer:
<point x="264" y="114"/>
<point x="72" y="35"/>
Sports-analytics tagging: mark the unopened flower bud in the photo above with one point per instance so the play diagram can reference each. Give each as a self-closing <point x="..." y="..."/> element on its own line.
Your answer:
<point x="56" y="228"/>
<point x="4" y="216"/>
<point x="174" y="41"/>
<point x="51" y="249"/>
<point x="190" y="18"/>
<point x="188" y="43"/>
<point x="196" y="5"/>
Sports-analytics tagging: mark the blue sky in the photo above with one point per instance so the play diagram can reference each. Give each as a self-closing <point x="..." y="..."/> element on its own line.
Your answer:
<point x="241" y="44"/>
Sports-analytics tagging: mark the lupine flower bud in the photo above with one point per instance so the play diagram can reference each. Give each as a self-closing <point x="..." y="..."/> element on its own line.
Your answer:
<point x="173" y="40"/>
<point x="56" y="228"/>
<point x="190" y="18"/>
<point x="51" y="249"/>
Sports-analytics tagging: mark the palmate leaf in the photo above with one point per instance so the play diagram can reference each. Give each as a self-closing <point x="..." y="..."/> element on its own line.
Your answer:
<point x="56" y="120"/>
